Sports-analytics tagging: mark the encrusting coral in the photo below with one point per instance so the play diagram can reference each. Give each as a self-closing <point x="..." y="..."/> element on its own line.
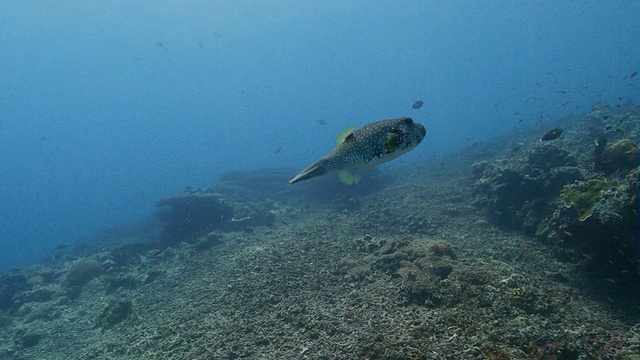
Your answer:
<point x="585" y="194"/>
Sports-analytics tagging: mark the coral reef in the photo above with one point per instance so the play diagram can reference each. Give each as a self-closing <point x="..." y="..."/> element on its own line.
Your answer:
<point x="410" y="270"/>
<point x="19" y="286"/>
<point x="113" y="313"/>
<point x="11" y="284"/>
<point x="191" y="214"/>
<point x="621" y="156"/>
<point x="581" y="195"/>
<point x="83" y="271"/>
<point x="403" y="258"/>
<point x="599" y="218"/>
<point x="25" y="339"/>
<point x="525" y="187"/>
<point x="195" y="213"/>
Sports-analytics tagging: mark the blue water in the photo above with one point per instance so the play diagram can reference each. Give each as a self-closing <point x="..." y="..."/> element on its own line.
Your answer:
<point x="108" y="106"/>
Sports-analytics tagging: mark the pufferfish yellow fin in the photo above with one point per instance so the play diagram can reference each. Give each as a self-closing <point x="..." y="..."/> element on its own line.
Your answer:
<point x="344" y="134"/>
<point x="349" y="177"/>
<point x="390" y="144"/>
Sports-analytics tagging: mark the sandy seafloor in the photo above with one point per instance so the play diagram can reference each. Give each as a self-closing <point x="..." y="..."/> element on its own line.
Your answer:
<point x="411" y="269"/>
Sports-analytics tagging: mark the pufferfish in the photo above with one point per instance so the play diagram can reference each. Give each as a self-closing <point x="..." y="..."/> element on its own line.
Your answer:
<point x="367" y="147"/>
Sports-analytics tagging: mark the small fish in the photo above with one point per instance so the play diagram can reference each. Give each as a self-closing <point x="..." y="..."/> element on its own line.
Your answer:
<point x="322" y="122"/>
<point x="562" y="91"/>
<point x="551" y="134"/>
<point x="633" y="74"/>
<point x="61" y="247"/>
<point x="367" y="147"/>
<point x="417" y="105"/>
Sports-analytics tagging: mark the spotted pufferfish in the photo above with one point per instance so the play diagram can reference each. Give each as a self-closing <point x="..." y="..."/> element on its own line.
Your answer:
<point x="367" y="147"/>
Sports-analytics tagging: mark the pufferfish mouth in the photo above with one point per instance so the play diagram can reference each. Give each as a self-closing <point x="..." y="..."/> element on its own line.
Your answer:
<point x="421" y="130"/>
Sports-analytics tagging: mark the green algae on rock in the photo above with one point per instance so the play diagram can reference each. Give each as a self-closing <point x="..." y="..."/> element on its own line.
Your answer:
<point x="583" y="195"/>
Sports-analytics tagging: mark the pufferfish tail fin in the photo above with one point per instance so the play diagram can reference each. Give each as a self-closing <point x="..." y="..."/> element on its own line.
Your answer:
<point x="316" y="169"/>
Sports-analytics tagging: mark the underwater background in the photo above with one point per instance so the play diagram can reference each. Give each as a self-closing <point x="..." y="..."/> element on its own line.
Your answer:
<point x="150" y="207"/>
<point x="108" y="106"/>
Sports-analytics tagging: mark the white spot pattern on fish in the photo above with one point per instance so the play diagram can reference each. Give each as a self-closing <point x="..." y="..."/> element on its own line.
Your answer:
<point x="367" y="147"/>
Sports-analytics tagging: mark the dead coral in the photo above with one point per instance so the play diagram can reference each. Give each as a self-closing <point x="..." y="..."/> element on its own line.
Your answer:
<point x="83" y="271"/>
<point x="621" y="156"/>
<point x="191" y="214"/>
<point x="113" y="313"/>
<point x="195" y="213"/>
<point x="11" y="284"/>
<point x="24" y="339"/>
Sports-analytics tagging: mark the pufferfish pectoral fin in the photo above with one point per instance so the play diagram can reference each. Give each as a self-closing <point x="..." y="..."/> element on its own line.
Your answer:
<point x="349" y="177"/>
